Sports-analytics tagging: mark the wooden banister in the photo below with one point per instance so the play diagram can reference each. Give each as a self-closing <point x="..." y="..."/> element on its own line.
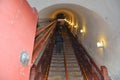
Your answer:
<point x="89" y="68"/>
<point x="45" y="33"/>
<point x="40" y="71"/>
<point x="43" y="28"/>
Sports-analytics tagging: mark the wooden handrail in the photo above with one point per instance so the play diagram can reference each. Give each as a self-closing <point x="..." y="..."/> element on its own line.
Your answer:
<point x="44" y="62"/>
<point x="89" y="67"/>
<point x="43" y="28"/>
<point x="41" y="41"/>
<point x="93" y="64"/>
<point x="40" y="71"/>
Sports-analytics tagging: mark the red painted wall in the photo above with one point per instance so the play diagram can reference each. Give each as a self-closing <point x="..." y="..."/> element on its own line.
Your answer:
<point x="17" y="31"/>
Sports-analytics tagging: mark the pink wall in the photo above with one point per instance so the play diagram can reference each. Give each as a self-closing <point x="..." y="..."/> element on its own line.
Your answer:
<point x="17" y="31"/>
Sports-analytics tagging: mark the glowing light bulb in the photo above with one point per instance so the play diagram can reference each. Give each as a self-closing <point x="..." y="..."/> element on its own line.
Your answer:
<point x="72" y="24"/>
<point x="75" y="26"/>
<point x="100" y="44"/>
<point x="81" y="31"/>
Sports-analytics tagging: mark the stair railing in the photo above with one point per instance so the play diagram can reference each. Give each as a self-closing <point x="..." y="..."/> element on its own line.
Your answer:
<point x="42" y="36"/>
<point x="42" y="52"/>
<point x="89" y="68"/>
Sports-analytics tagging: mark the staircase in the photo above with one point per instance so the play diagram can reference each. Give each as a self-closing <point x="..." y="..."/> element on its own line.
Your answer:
<point x="73" y="63"/>
<point x="64" y="66"/>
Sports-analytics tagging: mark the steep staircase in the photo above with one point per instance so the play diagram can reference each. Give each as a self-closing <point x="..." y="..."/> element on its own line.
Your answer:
<point x="64" y="66"/>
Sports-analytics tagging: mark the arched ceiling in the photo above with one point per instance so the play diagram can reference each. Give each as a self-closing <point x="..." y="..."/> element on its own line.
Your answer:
<point x="76" y="14"/>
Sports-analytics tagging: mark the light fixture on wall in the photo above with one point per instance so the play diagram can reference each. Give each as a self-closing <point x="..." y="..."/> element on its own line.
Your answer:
<point x="72" y="24"/>
<point x="75" y="26"/>
<point x="81" y="31"/>
<point x="100" y="44"/>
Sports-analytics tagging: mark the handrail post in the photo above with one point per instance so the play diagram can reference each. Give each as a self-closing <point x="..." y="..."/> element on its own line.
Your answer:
<point x="33" y="72"/>
<point x="92" y="69"/>
<point x="105" y="73"/>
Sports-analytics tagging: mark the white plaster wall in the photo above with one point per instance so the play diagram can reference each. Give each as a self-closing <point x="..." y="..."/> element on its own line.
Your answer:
<point x="102" y="23"/>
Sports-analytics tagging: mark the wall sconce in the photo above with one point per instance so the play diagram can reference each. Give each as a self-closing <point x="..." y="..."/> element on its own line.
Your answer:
<point x="100" y="44"/>
<point x="75" y="26"/>
<point x="69" y="23"/>
<point x="72" y="24"/>
<point x="81" y="31"/>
